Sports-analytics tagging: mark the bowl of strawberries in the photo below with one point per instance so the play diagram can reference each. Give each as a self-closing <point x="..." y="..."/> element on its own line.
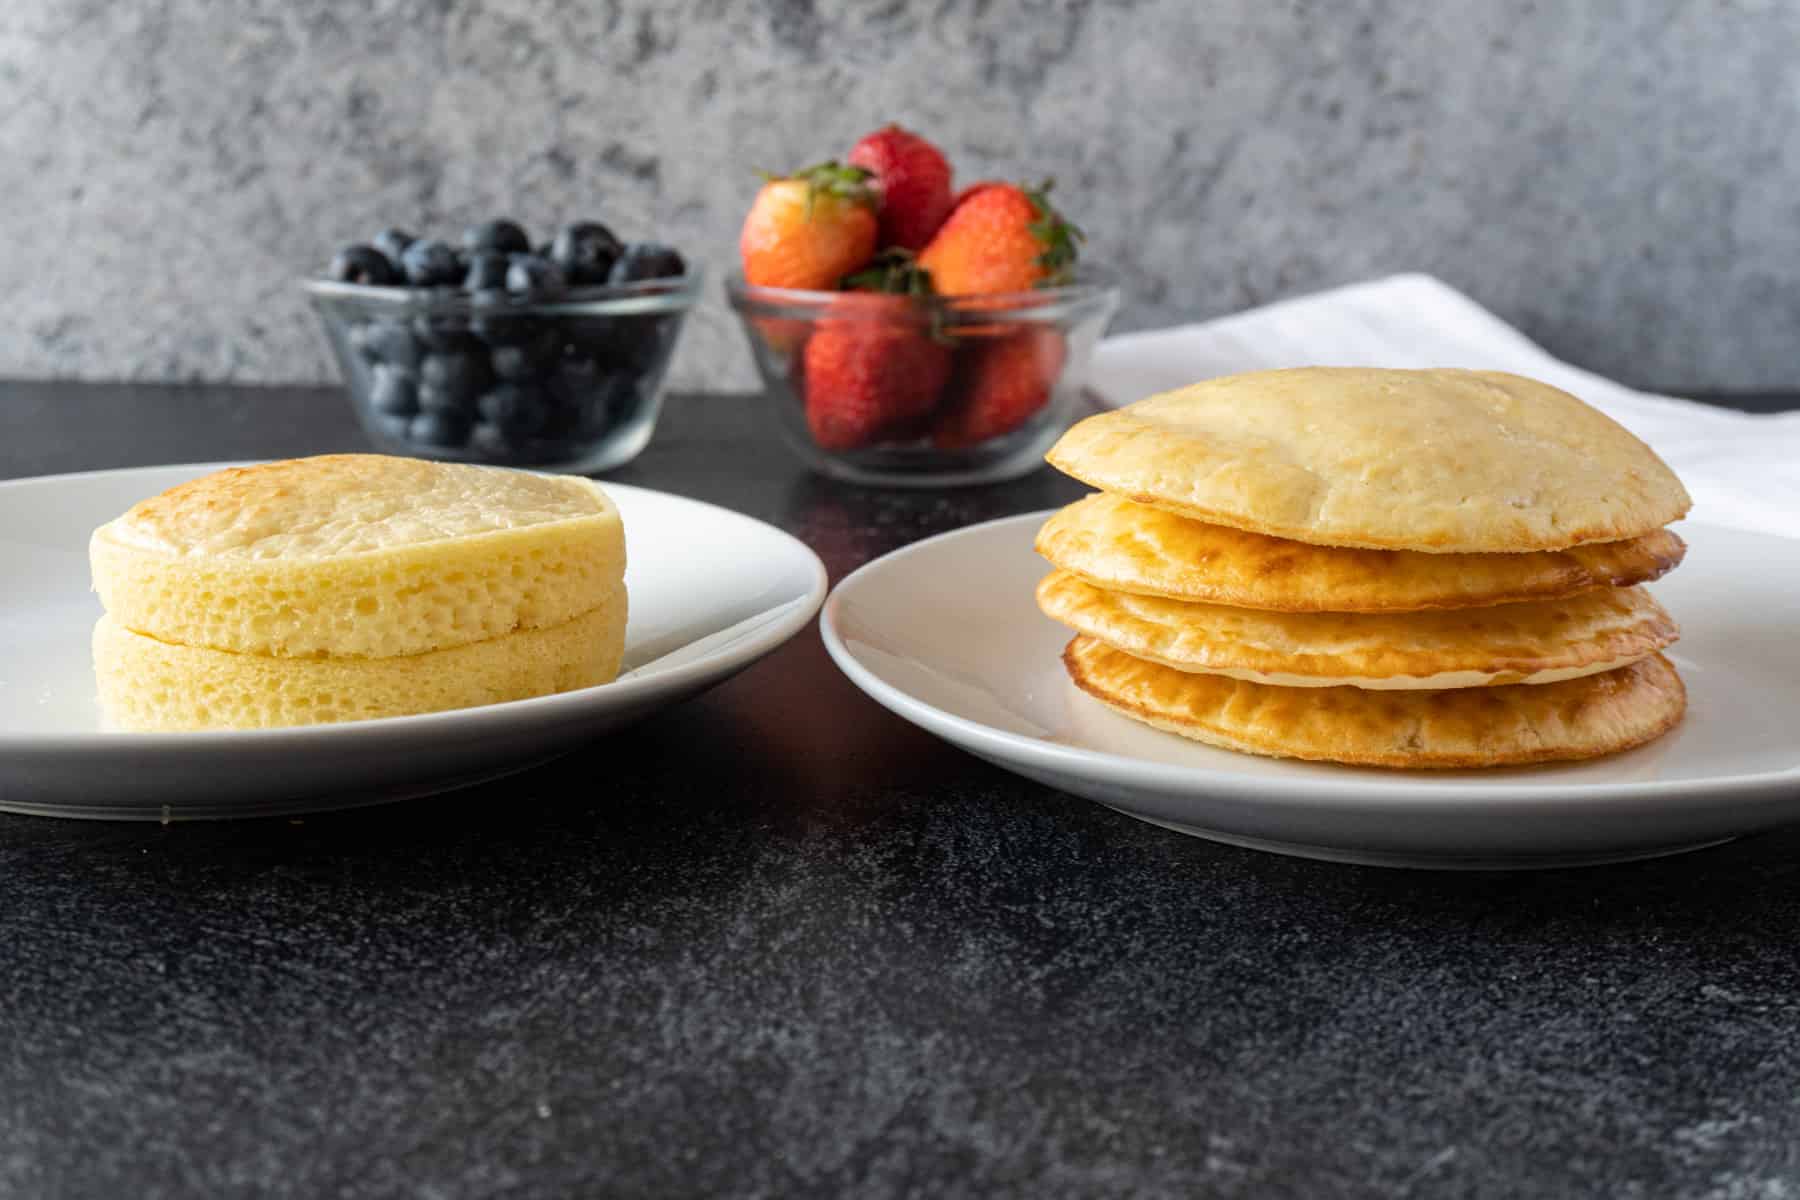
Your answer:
<point x="909" y="333"/>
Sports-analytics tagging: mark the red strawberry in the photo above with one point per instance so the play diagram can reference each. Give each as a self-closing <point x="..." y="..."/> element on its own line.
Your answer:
<point x="872" y="369"/>
<point x="999" y="385"/>
<point x="1000" y="238"/>
<point x="971" y="188"/>
<point x="810" y="229"/>
<point x="913" y="178"/>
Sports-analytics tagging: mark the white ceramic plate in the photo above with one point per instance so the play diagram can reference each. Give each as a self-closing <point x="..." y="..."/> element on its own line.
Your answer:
<point x="711" y="592"/>
<point x="946" y="634"/>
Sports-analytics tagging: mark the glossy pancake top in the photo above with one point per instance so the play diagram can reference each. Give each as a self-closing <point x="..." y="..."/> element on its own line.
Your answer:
<point x="1436" y="461"/>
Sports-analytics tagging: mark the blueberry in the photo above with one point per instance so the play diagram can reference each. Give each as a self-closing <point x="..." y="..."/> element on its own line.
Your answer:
<point x="591" y="337"/>
<point x="647" y="260"/>
<point x="362" y="264"/>
<point x="391" y="342"/>
<point x="533" y="278"/>
<point x="443" y="332"/>
<point x="529" y="360"/>
<point x="515" y="364"/>
<point x="359" y="335"/>
<point x="493" y="444"/>
<point x="586" y="252"/>
<point x="438" y="399"/>
<point x="393" y="243"/>
<point x="632" y="343"/>
<point x="515" y="409"/>
<point x="562" y="421"/>
<point x="459" y="376"/>
<point x="498" y="321"/>
<point x="431" y="263"/>
<point x="437" y="427"/>
<point x="571" y="394"/>
<point x="578" y="373"/>
<point x="587" y="398"/>
<point x="501" y="237"/>
<point x="487" y="269"/>
<point x="393" y="392"/>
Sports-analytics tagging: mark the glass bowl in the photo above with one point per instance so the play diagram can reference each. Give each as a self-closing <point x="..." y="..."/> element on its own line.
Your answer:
<point x="572" y="384"/>
<point x="932" y="391"/>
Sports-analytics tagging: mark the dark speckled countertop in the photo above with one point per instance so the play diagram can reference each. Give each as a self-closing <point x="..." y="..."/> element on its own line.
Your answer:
<point x="776" y="942"/>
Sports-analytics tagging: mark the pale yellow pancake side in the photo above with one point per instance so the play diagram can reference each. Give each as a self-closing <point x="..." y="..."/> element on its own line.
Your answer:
<point x="1438" y="461"/>
<point x="1537" y="642"/>
<point x="150" y="685"/>
<point x="1114" y="543"/>
<point x="360" y="556"/>
<point x="1465" y="727"/>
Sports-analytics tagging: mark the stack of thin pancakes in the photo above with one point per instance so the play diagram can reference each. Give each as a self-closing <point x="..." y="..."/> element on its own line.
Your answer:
<point x="1389" y="568"/>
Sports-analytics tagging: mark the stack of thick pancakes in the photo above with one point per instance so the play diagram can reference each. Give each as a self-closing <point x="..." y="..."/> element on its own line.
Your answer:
<point x="1393" y="568"/>
<point x="353" y="586"/>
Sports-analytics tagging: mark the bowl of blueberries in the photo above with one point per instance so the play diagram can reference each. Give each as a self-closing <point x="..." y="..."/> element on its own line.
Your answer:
<point x="492" y="351"/>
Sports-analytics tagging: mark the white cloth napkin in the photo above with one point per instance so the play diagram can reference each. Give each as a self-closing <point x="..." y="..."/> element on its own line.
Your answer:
<point x="1741" y="469"/>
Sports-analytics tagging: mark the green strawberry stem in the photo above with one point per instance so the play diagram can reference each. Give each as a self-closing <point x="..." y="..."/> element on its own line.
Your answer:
<point x="895" y="272"/>
<point x="832" y="178"/>
<point x="1061" y="239"/>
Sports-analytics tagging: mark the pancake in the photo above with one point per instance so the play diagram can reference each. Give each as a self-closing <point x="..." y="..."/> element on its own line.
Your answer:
<point x="1538" y="642"/>
<point x="1116" y="544"/>
<point x="1463" y="727"/>
<point x="1438" y="461"/>
<point x="358" y="556"/>
<point x="151" y="685"/>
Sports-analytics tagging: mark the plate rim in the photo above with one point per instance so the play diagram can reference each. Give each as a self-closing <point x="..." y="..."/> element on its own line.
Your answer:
<point x="504" y="716"/>
<point x="1419" y="790"/>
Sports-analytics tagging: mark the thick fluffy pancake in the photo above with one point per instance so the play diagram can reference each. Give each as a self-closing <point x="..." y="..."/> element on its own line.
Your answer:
<point x="358" y="555"/>
<point x="1472" y="461"/>
<point x="1116" y="544"/>
<point x="1464" y="727"/>
<point x="150" y="685"/>
<point x="1537" y="642"/>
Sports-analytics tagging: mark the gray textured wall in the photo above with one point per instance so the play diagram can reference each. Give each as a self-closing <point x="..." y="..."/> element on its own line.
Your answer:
<point x="1617" y="177"/>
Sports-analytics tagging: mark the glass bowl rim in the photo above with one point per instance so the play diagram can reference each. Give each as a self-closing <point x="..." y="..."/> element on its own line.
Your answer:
<point x="664" y="294"/>
<point x="1091" y="285"/>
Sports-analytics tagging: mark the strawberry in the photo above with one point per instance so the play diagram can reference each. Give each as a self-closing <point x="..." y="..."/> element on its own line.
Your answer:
<point x="999" y="385"/>
<point x="810" y="229"/>
<point x="971" y="188"/>
<point x="872" y="370"/>
<point x="1001" y="238"/>
<point x="913" y="178"/>
<point x="892" y="271"/>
